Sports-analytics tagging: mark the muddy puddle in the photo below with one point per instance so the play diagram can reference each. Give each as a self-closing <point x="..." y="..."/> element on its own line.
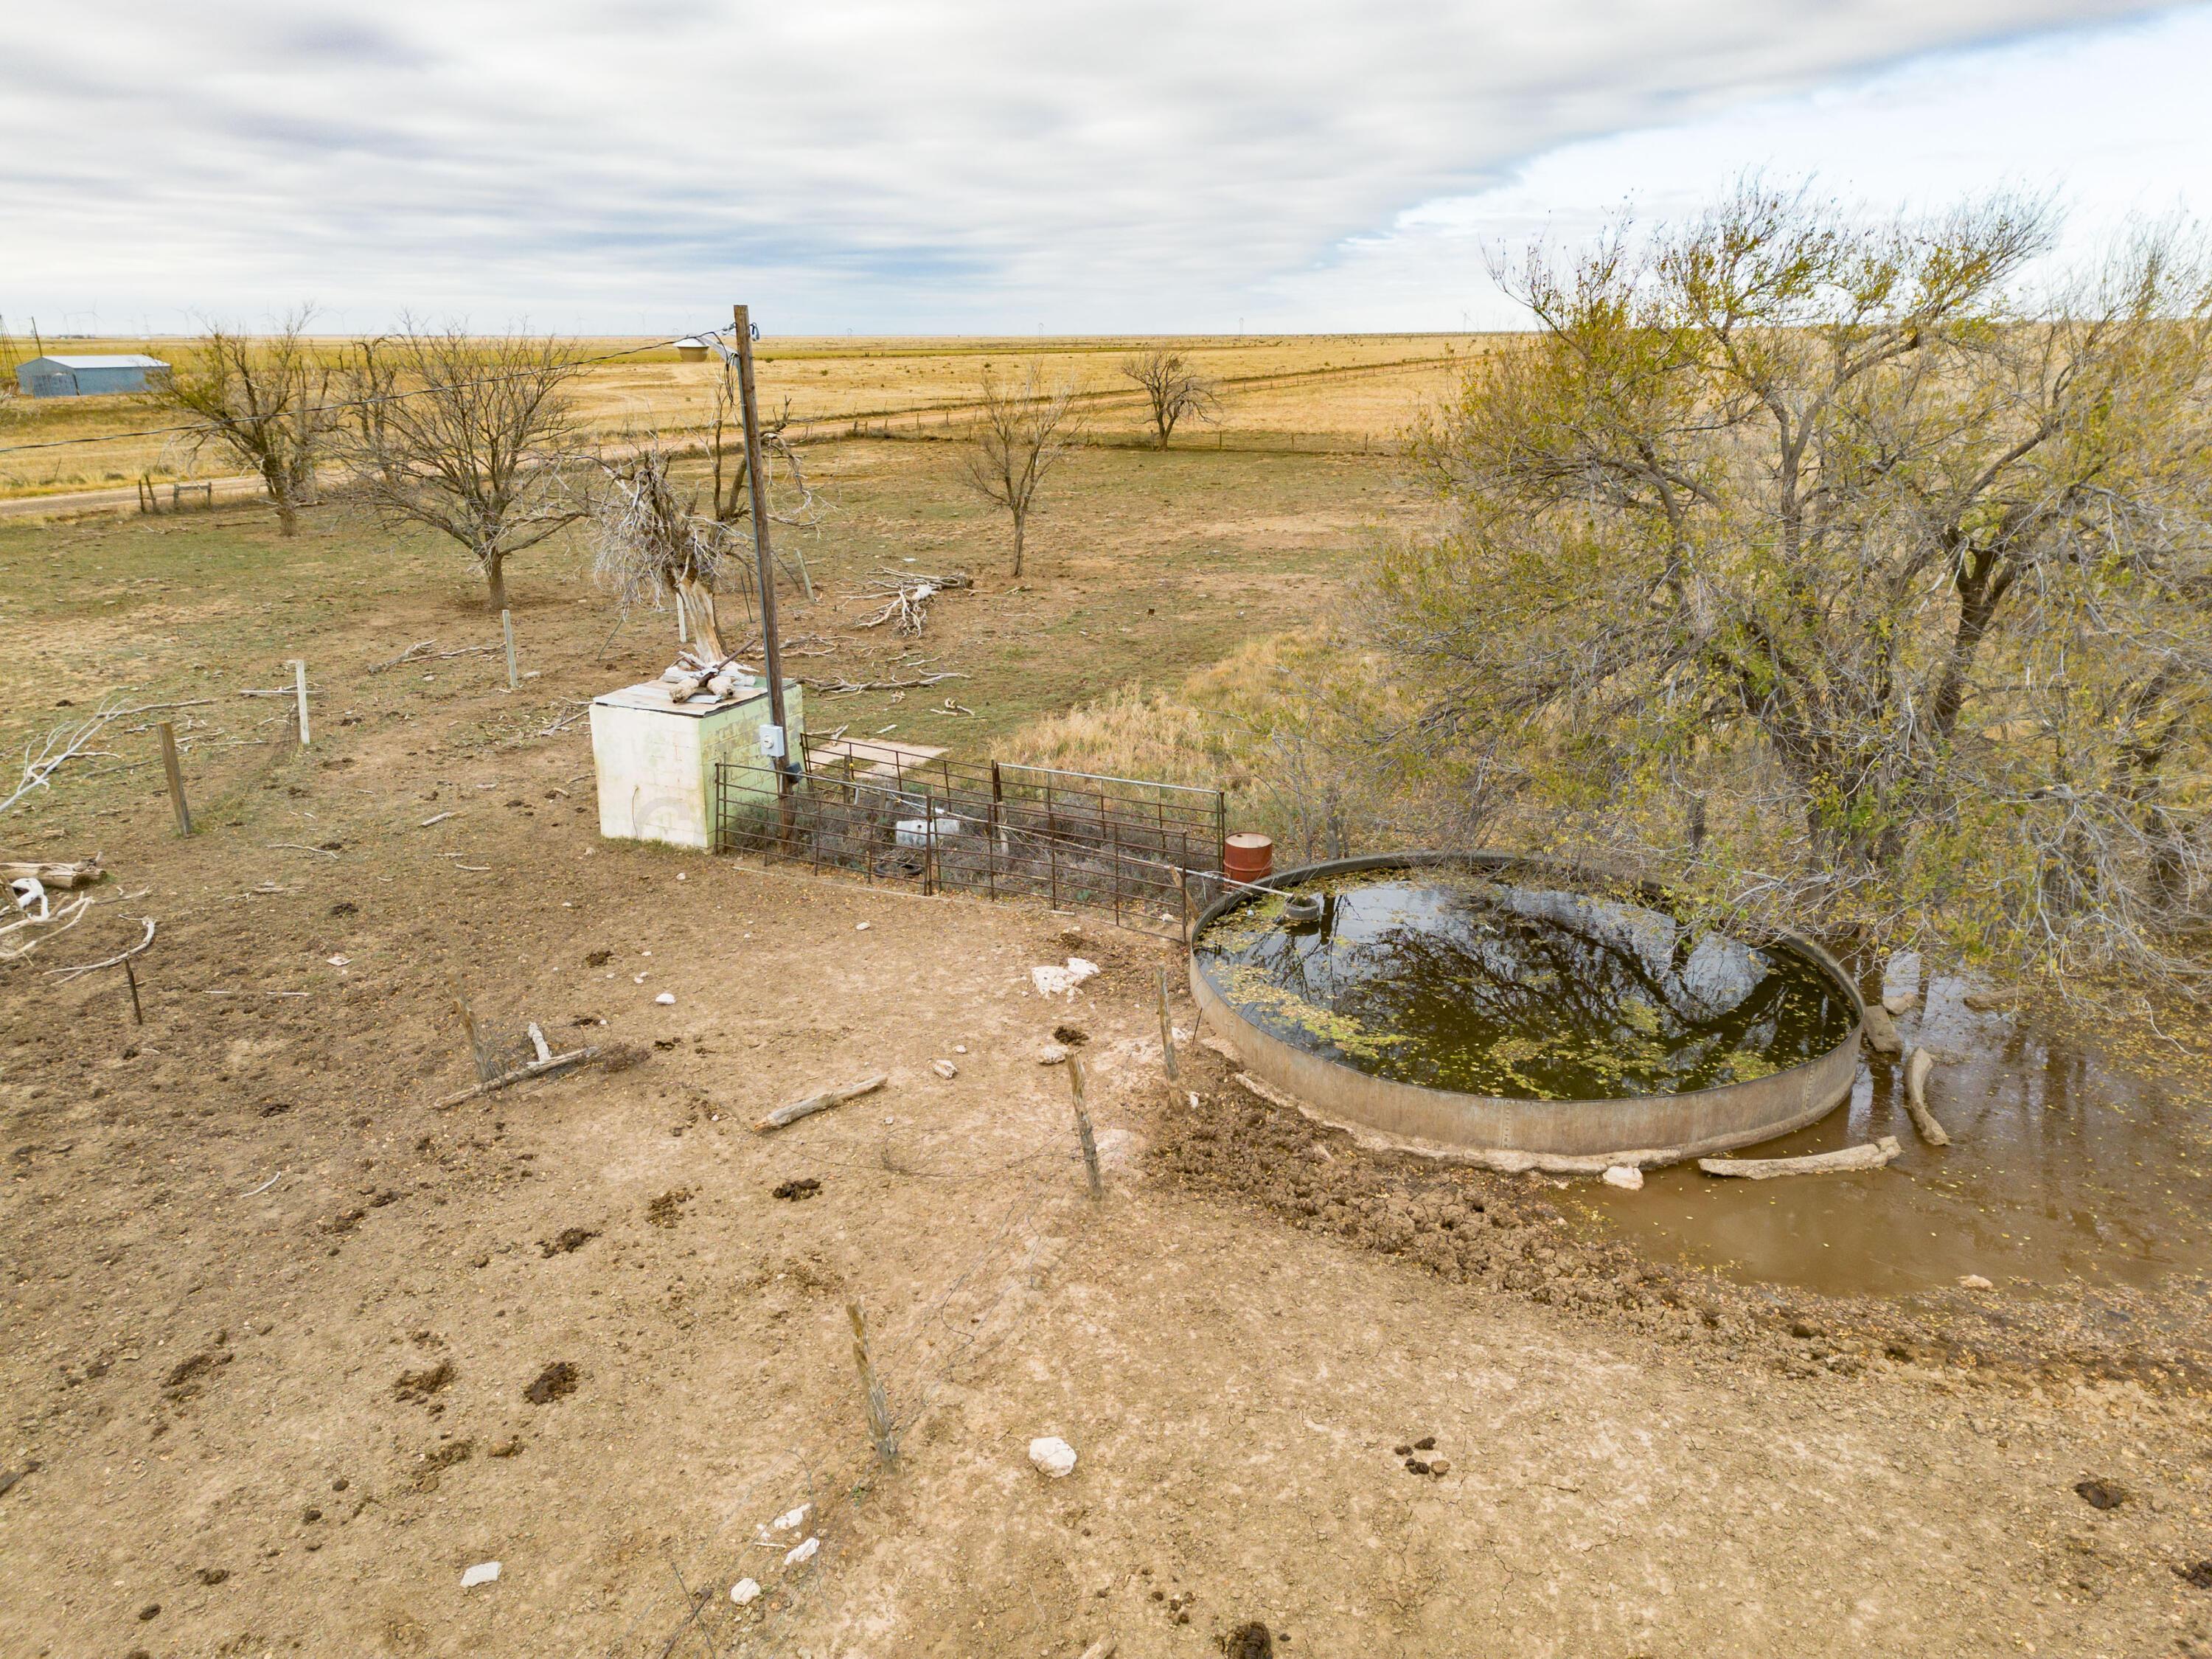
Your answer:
<point x="2064" y="1166"/>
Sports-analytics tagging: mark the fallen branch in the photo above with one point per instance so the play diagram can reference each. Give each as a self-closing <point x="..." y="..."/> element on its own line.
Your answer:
<point x="522" y="1074"/>
<point x="822" y="1102"/>
<point x="299" y="846"/>
<point x="55" y="878"/>
<point x="910" y="594"/>
<point x="1871" y="1156"/>
<point x="44" y="756"/>
<point x="107" y="961"/>
<point x="408" y="655"/>
<point x="58" y="922"/>
<point x="1916" y="1098"/>
<point x="839" y="688"/>
<point x="154" y="707"/>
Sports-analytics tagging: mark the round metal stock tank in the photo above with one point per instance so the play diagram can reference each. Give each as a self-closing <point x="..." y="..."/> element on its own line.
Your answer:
<point x="1693" y="1124"/>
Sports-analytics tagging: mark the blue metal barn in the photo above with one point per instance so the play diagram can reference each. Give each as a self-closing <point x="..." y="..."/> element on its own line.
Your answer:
<point x="88" y="377"/>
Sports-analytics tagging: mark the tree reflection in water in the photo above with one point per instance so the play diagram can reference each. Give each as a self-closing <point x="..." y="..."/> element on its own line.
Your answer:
<point x="1516" y="991"/>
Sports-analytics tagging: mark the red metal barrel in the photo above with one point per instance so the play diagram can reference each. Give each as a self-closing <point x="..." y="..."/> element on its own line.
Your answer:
<point x="1248" y="857"/>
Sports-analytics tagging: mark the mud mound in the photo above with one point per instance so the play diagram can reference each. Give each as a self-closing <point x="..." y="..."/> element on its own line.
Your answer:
<point x="1472" y="1226"/>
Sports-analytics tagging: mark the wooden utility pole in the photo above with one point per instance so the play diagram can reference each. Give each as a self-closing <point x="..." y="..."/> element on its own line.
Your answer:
<point x="757" y="473"/>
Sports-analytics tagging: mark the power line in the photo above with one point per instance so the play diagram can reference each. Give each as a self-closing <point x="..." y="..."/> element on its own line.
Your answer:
<point x="349" y="403"/>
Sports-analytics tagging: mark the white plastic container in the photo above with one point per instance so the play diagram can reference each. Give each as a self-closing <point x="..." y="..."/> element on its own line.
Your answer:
<point x="914" y="832"/>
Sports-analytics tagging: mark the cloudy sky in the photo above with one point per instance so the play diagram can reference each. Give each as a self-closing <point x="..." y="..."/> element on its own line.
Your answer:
<point x="1003" y="166"/>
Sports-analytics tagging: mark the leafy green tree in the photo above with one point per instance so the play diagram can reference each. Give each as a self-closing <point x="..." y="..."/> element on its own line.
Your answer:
<point x="1806" y="559"/>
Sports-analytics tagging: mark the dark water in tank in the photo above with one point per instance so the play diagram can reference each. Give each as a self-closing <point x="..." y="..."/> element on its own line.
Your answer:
<point x="1453" y="982"/>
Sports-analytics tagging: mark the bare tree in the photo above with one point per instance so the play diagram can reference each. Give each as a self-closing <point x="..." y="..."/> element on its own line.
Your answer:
<point x="268" y="400"/>
<point x="655" y="539"/>
<point x="1174" y="387"/>
<point x="651" y="542"/>
<point x="471" y="436"/>
<point x="1027" y="425"/>
<point x="732" y="490"/>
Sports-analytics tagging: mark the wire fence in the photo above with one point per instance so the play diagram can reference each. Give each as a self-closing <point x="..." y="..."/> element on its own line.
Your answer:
<point x="1149" y="854"/>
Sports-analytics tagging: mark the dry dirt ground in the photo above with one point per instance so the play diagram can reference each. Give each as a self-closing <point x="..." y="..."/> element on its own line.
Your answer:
<point x="288" y="1347"/>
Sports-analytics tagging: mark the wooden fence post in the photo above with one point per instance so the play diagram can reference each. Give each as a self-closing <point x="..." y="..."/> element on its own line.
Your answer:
<point x="1083" y="1134"/>
<point x="506" y="632"/>
<point x="176" y="777"/>
<point x="299" y="683"/>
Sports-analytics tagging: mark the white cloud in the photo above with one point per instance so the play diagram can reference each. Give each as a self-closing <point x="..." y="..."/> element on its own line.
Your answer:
<point x="2108" y="124"/>
<point x="936" y="164"/>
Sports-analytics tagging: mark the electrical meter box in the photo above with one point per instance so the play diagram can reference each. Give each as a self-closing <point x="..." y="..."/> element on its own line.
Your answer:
<point x="656" y="759"/>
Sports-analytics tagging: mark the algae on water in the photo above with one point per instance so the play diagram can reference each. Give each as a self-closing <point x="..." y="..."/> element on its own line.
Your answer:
<point x="1455" y="980"/>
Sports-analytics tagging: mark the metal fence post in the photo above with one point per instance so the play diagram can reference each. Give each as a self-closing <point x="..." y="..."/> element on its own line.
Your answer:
<point x="929" y="844"/>
<point x="1113" y="859"/>
<point x="1167" y="1030"/>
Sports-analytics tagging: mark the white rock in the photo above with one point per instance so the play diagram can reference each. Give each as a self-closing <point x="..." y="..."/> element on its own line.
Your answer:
<point x="744" y="1590"/>
<point x="1054" y="1457"/>
<point x="1974" y="1282"/>
<point x="338" y="962"/>
<point x="1626" y="1177"/>
<point x="1052" y="1054"/>
<point x="666" y="998"/>
<point x="944" y="1068"/>
<point x="959" y="1048"/>
<point x="484" y="1572"/>
<point x="859" y="926"/>
<point x="804" y="1552"/>
<point x="791" y="1519"/>
<point x="1051" y="981"/>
